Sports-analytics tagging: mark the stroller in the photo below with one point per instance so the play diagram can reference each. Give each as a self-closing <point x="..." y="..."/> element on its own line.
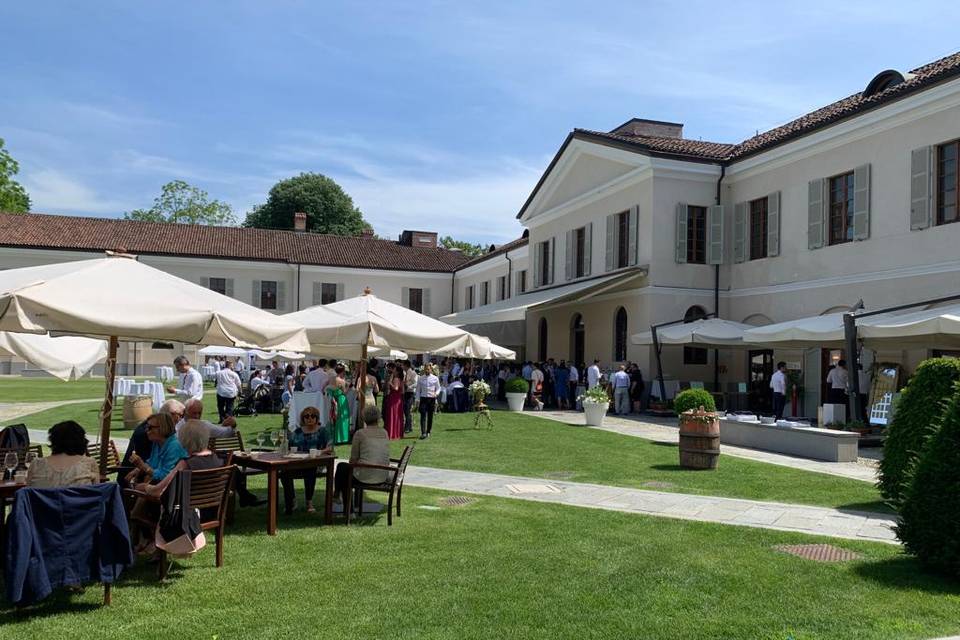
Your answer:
<point x="254" y="400"/>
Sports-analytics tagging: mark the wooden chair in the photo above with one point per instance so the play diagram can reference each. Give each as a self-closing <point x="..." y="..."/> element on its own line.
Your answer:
<point x="393" y="485"/>
<point x="113" y="456"/>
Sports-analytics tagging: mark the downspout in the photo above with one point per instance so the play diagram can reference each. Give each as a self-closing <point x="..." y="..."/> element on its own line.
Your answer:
<point x="298" y="286"/>
<point x="716" y="293"/>
<point x="453" y="291"/>
<point x="506" y="293"/>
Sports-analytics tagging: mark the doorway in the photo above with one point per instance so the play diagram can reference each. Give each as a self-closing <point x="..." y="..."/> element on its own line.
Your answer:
<point x="760" y="364"/>
<point x="828" y="359"/>
<point x="577" y="339"/>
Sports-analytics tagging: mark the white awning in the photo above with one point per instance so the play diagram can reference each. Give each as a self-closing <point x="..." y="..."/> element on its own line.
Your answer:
<point x="515" y="308"/>
<point x="937" y="328"/>
<point x="66" y="357"/>
<point x="815" y="331"/>
<point x="710" y="332"/>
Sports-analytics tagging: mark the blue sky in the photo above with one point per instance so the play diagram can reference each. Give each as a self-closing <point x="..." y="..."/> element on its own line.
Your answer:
<point x="432" y="115"/>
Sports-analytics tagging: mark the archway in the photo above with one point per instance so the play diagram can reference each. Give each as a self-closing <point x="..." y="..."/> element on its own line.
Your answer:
<point x="694" y="355"/>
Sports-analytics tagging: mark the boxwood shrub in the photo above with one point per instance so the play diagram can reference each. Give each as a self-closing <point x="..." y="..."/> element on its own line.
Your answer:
<point x="930" y="511"/>
<point x="693" y="399"/>
<point x="917" y="416"/>
<point x="517" y="385"/>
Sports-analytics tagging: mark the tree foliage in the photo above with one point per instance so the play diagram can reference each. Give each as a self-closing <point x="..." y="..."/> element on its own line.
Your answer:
<point x="183" y="203"/>
<point x="13" y="197"/>
<point x="467" y="248"/>
<point x="328" y="207"/>
<point x="917" y="416"/>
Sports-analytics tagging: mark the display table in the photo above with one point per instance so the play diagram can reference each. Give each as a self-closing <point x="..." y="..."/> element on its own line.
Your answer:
<point x="805" y="442"/>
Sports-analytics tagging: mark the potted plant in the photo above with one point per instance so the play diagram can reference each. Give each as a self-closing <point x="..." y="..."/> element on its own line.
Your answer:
<point x="516" y="393"/>
<point x="699" y="429"/>
<point x="595" y="403"/>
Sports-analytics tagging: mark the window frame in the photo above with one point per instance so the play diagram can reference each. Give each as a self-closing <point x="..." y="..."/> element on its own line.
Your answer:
<point x="484" y="293"/>
<point x="759" y="224"/>
<point x="222" y="291"/>
<point x="623" y="240"/>
<point x="468" y="294"/>
<point x="620" y="335"/>
<point x="501" y="288"/>
<point x="415" y="299"/>
<point x="696" y="234"/>
<point x="579" y="252"/>
<point x="842" y="209"/>
<point x="546" y="267"/>
<point x="265" y="294"/>
<point x="523" y="281"/>
<point x="939" y="179"/>
<point x="325" y="296"/>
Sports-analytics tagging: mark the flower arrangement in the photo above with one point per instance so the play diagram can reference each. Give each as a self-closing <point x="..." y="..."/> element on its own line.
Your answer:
<point x="597" y="394"/>
<point x="698" y="415"/>
<point x="479" y="390"/>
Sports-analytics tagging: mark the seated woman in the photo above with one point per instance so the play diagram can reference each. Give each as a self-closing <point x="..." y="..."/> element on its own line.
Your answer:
<point x="370" y="445"/>
<point x="68" y="463"/>
<point x="165" y="451"/>
<point x="309" y="435"/>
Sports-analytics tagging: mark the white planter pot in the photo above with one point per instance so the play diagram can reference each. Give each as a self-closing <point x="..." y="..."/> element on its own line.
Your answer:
<point x="515" y="401"/>
<point x="594" y="412"/>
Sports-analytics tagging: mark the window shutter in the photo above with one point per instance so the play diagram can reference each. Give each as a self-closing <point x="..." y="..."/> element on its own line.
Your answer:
<point x="815" y="213"/>
<point x="861" y="202"/>
<point x="921" y="200"/>
<point x="715" y="234"/>
<point x="405" y="297"/>
<point x="773" y="224"/>
<point x="516" y="285"/>
<point x="611" y="245"/>
<point x="632" y="239"/>
<point x="340" y="294"/>
<point x="205" y="282"/>
<point x="229" y="287"/>
<point x="317" y="293"/>
<point x="552" y="264"/>
<point x="425" y="297"/>
<point x="281" y="295"/>
<point x="740" y="232"/>
<point x="537" y="270"/>
<point x="568" y="257"/>
<point x="681" y="248"/>
<point x="587" y="249"/>
<point x="256" y="293"/>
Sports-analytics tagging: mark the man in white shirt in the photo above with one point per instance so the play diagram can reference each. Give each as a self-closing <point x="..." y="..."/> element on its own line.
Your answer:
<point x="317" y="379"/>
<point x="593" y="374"/>
<point x="193" y="410"/>
<point x="621" y="391"/>
<point x="457" y="369"/>
<point x="410" y="379"/>
<point x="228" y="388"/>
<point x="238" y="366"/>
<point x="428" y="386"/>
<point x="837" y="382"/>
<point x="778" y="383"/>
<point x="574" y="382"/>
<point x="191" y="382"/>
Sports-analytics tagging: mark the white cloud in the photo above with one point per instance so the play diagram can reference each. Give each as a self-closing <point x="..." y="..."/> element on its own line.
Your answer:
<point x="55" y="192"/>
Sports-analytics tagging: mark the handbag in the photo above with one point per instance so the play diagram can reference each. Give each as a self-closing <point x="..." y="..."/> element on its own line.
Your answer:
<point x="178" y="532"/>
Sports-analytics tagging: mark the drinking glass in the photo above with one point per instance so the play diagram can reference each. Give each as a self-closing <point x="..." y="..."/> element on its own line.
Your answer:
<point x="10" y="462"/>
<point x="262" y="438"/>
<point x="29" y="459"/>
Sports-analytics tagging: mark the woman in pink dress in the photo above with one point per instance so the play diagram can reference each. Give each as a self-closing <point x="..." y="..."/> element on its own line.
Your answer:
<point x="393" y="403"/>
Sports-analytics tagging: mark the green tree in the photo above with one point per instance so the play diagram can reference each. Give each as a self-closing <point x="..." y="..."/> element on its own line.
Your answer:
<point x="468" y="249"/>
<point x="186" y="204"/>
<point x="328" y="207"/>
<point x="13" y="197"/>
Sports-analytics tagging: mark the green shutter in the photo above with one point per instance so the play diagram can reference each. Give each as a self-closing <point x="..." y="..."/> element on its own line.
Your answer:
<point x="610" y="260"/>
<point x="229" y="287"/>
<point x="425" y="297"/>
<point x="921" y="193"/>
<point x="568" y="256"/>
<point x="405" y="297"/>
<point x="681" y="248"/>
<point x="715" y="234"/>
<point x="632" y="225"/>
<point x="815" y="206"/>
<point x="281" y="295"/>
<point x="537" y="258"/>
<point x="740" y="232"/>
<point x="773" y="224"/>
<point x="317" y="293"/>
<point x="256" y="294"/>
<point x="587" y="249"/>
<point x="861" y="202"/>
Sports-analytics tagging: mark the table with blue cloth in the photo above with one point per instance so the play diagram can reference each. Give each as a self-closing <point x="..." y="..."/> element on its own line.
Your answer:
<point x="458" y="400"/>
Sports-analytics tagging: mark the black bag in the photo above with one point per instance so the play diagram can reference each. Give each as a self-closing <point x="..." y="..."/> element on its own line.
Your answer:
<point x="178" y="531"/>
<point x="15" y="436"/>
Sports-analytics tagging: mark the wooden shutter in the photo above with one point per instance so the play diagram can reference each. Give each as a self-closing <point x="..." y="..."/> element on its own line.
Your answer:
<point x="681" y="248"/>
<point x="815" y="206"/>
<point x="229" y="287"/>
<point x="715" y="234"/>
<point x="611" y="246"/>
<point x="587" y="249"/>
<point x="425" y="298"/>
<point x="773" y="224"/>
<point x="537" y="257"/>
<point x="921" y="193"/>
<point x="740" y="232"/>
<point x="861" y="202"/>
<point x="516" y="285"/>
<point x="281" y="295"/>
<point x="568" y="256"/>
<point x="256" y="293"/>
<point x="405" y="297"/>
<point x="632" y="224"/>
<point x="317" y="293"/>
<point x="205" y="282"/>
<point x="340" y="295"/>
<point x="552" y="264"/>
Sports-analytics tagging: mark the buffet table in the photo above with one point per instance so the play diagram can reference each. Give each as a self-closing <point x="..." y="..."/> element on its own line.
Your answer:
<point x="802" y="441"/>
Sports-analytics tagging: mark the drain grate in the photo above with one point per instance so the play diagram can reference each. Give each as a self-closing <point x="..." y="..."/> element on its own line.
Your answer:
<point x="659" y="485"/>
<point x="559" y="475"/>
<point x="455" y="501"/>
<point x="818" y="552"/>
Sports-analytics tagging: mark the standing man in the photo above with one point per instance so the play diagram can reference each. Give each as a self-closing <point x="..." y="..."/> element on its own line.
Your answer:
<point x="191" y="382"/>
<point x="228" y="388"/>
<point x="410" y="379"/>
<point x="837" y="382"/>
<point x="574" y="382"/>
<point x="593" y="374"/>
<point x="779" y="385"/>
<point x="317" y="379"/>
<point x="428" y="386"/>
<point x="238" y="366"/>
<point x="621" y="391"/>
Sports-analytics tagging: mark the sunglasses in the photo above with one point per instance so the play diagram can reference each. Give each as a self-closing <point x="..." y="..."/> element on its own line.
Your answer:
<point x="315" y="416"/>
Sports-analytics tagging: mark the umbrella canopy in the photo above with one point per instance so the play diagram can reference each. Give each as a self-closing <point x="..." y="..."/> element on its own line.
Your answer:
<point x="815" y="331"/>
<point x="711" y="332"/>
<point x="930" y="328"/>
<point x="66" y="357"/>
<point x="121" y="297"/>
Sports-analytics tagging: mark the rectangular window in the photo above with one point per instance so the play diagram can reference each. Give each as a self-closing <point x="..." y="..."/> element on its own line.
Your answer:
<point x="485" y="292"/>
<point x="696" y="235"/>
<point x="580" y="252"/>
<point x="268" y="294"/>
<point x="841" y="208"/>
<point x="623" y="239"/>
<point x="948" y="177"/>
<point x="758" y="228"/>
<point x="694" y="355"/>
<point x="328" y="293"/>
<point x="501" y="288"/>
<point x="546" y="266"/>
<point x="219" y="285"/>
<point x="468" y="298"/>
<point x="522" y="282"/>
<point x="416" y="300"/>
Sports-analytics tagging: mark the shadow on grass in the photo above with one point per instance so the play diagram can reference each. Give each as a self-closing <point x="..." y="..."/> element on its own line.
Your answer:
<point x="907" y="573"/>
<point x="656" y="443"/>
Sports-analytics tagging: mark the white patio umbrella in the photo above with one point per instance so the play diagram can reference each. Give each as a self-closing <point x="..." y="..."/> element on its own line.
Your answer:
<point x="66" y="357"/>
<point x="119" y="298"/>
<point x="825" y="330"/>
<point x="931" y="328"/>
<point x="711" y="332"/>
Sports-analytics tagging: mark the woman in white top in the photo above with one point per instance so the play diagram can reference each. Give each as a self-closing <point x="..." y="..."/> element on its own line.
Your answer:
<point x="68" y="463"/>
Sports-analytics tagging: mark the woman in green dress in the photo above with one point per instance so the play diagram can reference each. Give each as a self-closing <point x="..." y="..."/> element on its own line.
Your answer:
<point x="339" y="407"/>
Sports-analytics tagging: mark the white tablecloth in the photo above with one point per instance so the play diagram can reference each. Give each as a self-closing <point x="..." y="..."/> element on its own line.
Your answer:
<point x="130" y="387"/>
<point x="164" y="373"/>
<point x="208" y="371"/>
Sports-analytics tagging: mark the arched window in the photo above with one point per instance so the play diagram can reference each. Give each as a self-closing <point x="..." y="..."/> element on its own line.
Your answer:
<point x="620" y="335"/>
<point x="694" y="355"/>
<point x="542" y="340"/>
<point x="577" y="338"/>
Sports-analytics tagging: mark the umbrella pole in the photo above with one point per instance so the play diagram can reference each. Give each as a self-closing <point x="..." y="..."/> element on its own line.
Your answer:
<point x="106" y="412"/>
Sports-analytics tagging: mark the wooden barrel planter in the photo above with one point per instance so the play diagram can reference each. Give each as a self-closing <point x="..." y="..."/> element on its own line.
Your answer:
<point x="699" y="439"/>
<point x="136" y="409"/>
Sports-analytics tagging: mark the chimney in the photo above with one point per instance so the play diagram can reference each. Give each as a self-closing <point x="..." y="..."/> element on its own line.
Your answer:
<point x="643" y="127"/>
<point x="419" y="239"/>
<point x="367" y="232"/>
<point x="299" y="221"/>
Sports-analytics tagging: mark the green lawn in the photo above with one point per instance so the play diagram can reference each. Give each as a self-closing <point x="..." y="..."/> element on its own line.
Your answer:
<point x="524" y="445"/>
<point x="20" y="389"/>
<point x="501" y="568"/>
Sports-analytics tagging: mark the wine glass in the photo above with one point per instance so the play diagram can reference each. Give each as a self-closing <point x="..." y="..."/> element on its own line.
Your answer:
<point x="262" y="438"/>
<point x="10" y="461"/>
<point x="29" y="459"/>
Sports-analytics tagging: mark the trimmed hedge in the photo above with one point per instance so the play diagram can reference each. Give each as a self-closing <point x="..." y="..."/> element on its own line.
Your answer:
<point x="930" y="512"/>
<point x="693" y="399"/>
<point x="917" y="416"/>
<point x="516" y="385"/>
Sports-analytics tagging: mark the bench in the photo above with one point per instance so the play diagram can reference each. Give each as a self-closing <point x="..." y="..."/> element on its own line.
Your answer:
<point x="805" y="442"/>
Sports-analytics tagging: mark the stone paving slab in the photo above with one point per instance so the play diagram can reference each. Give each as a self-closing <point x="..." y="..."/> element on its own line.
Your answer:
<point x="872" y="527"/>
<point x="13" y="410"/>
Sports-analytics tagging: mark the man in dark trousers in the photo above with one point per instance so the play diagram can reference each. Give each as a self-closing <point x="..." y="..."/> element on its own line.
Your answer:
<point x="778" y="383"/>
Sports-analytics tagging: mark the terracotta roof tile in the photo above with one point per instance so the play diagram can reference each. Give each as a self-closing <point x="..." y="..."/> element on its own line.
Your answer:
<point x="671" y="146"/>
<point x="507" y="246"/>
<point x="238" y="243"/>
